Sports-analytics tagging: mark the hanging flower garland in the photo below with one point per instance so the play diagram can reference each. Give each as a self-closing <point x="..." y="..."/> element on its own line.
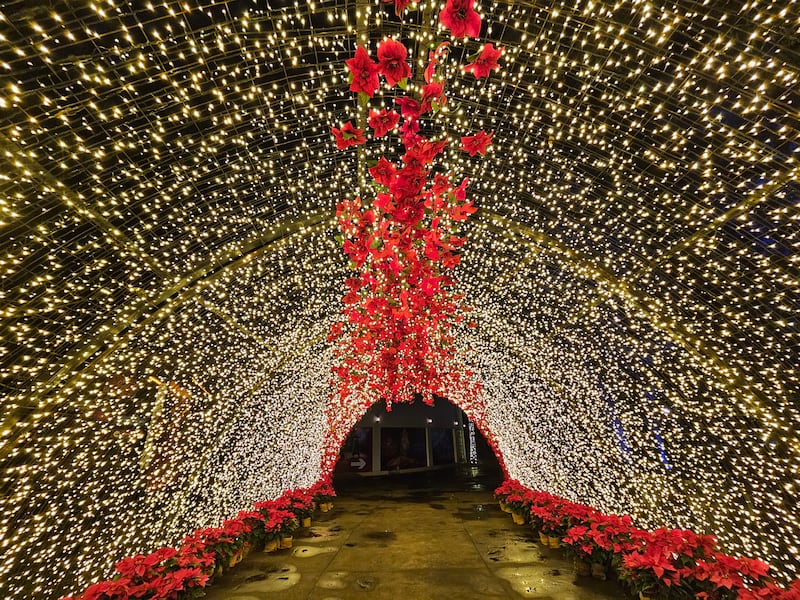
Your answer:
<point x="395" y="340"/>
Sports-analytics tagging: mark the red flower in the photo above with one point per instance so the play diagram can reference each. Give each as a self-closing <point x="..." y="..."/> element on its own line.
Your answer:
<point x="460" y="18"/>
<point x="384" y="172"/>
<point x="486" y="61"/>
<point x="477" y="143"/>
<point x="432" y="92"/>
<point x="433" y="60"/>
<point x="383" y="122"/>
<point x="364" y="71"/>
<point x="392" y="61"/>
<point x="408" y="133"/>
<point x="399" y="5"/>
<point x="348" y="136"/>
<point x="114" y="589"/>
<point x="409" y="107"/>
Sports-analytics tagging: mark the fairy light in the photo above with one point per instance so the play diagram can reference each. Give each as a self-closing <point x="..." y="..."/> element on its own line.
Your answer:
<point x="638" y="331"/>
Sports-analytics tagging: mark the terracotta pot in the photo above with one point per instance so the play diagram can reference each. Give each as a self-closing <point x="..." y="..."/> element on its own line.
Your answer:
<point x="543" y="538"/>
<point x="306" y="522"/>
<point x="286" y="542"/>
<point x="271" y="546"/>
<point x="519" y="519"/>
<point x="553" y="541"/>
<point x="599" y="571"/>
<point x="582" y="568"/>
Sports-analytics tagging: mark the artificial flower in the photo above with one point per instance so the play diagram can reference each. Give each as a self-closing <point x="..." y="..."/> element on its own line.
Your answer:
<point x="460" y="18"/>
<point x="399" y="5"/>
<point x="383" y="172"/>
<point x="476" y="144"/>
<point x="364" y="72"/>
<point x="348" y="136"/>
<point x="382" y="122"/>
<point x="485" y="62"/>
<point x="392" y="61"/>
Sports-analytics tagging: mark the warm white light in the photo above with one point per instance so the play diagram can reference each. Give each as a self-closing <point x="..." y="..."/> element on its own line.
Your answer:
<point x="638" y="333"/>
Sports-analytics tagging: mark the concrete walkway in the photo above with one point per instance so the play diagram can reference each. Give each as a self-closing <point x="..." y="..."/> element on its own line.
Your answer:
<point x="412" y="537"/>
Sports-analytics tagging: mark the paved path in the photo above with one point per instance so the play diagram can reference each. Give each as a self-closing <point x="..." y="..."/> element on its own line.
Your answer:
<point x="394" y="539"/>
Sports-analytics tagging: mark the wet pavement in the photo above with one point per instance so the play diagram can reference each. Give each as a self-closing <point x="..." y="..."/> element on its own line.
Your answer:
<point x="429" y="536"/>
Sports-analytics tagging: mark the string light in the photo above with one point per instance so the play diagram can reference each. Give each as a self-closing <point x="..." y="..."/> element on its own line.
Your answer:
<point x="169" y="269"/>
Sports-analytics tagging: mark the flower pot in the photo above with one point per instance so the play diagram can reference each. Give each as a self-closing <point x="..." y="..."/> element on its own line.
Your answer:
<point x="271" y="546"/>
<point x="519" y="519"/>
<point x="543" y="538"/>
<point x="286" y="542"/>
<point x="235" y="559"/>
<point x="305" y="522"/>
<point x="582" y="568"/>
<point x="647" y="595"/>
<point x="553" y="541"/>
<point x="599" y="571"/>
<point x="323" y="506"/>
<point x="505" y="507"/>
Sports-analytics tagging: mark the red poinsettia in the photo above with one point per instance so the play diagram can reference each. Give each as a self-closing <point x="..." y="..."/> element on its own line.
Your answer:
<point x="476" y="144"/>
<point x="392" y="61"/>
<point x="364" y="72"/>
<point x="348" y="136"/>
<point x="485" y="62"/>
<point x="460" y="18"/>
<point x="382" y="122"/>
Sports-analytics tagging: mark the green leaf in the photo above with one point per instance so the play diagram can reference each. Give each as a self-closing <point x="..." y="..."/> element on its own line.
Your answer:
<point x="403" y="83"/>
<point x="350" y="77"/>
<point x="376" y="243"/>
<point x="339" y="239"/>
<point x="371" y="162"/>
<point x="435" y="106"/>
<point x="363" y="99"/>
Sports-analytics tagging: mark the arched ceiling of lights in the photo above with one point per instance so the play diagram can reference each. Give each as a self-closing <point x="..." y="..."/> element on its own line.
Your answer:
<point x="169" y="268"/>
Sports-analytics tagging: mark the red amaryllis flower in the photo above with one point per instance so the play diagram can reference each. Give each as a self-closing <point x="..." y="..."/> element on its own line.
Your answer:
<point x="432" y="92"/>
<point x="364" y="71"/>
<point x="460" y="18"/>
<point x="348" y="136"/>
<point x="392" y="61"/>
<point x="399" y="5"/>
<point x="433" y="60"/>
<point x="383" y="122"/>
<point x="409" y="107"/>
<point x="486" y="61"/>
<point x="409" y="131"/>
<point x="384" y="172"/>
<point x="476" y="143"/>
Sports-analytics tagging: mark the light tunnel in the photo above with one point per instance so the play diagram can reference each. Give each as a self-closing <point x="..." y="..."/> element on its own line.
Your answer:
<point x="170" y="268"/>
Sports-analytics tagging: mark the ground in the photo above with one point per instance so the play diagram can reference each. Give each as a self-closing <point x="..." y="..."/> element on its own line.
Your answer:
<point x="420" y="537"/>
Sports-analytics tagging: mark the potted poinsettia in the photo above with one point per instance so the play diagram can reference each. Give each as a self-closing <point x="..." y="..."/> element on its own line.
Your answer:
<point x="661" y="567"/>
<point x="508" y="487"/>
<point x="323" y="494"/>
